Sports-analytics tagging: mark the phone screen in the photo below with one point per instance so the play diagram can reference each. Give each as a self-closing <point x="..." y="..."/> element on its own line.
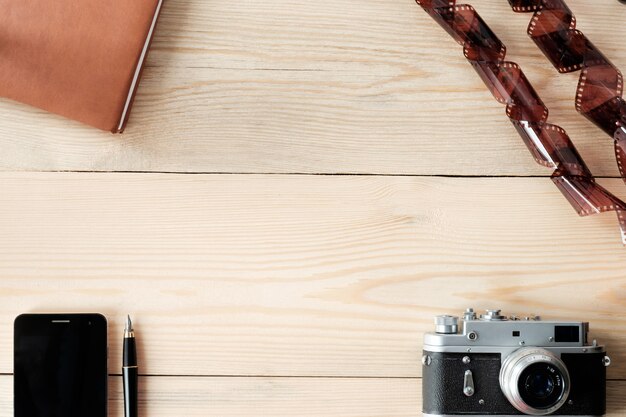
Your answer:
<point x="60" y="365"/>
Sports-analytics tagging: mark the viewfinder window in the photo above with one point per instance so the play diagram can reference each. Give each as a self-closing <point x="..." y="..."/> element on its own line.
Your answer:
<point x="567" y="334"/>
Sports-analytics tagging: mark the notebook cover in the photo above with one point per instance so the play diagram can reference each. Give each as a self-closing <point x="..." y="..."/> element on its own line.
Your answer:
<point x="81" y="59"/>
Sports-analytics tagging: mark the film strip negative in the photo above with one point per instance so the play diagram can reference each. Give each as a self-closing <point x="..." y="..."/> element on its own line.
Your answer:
<point x="548" y="143"/>
<point x="599" y="93"/>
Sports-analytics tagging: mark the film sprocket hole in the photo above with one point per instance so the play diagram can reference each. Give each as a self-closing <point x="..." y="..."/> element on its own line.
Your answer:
<point x="499" y="365"/>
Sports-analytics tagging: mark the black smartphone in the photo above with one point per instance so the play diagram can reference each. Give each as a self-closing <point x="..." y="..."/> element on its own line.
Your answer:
<point x="60" y="365"/>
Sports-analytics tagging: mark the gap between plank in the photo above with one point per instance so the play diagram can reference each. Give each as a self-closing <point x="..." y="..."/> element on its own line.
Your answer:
<point x="311" y="174"/>
<point x="289" y="376"/>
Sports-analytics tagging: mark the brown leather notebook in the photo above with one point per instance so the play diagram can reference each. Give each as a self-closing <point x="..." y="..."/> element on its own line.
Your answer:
<point x="81" y="59"/>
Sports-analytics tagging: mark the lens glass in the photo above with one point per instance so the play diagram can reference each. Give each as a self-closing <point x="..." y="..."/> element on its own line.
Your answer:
<point x="541" y="385"/>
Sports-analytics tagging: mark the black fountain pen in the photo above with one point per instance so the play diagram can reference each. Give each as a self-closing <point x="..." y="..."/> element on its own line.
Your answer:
<point x="130" y="372"/>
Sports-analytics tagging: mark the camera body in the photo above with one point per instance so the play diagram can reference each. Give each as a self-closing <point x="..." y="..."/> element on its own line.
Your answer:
<point x="499" y="366"/>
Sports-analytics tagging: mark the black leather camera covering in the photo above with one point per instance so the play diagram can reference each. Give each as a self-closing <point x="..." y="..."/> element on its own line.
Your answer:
<point x="442" y="387"/>
<point x="588" y="375"/>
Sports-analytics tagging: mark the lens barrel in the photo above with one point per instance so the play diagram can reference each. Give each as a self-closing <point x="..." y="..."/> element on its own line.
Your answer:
<point x="535" y="381"/>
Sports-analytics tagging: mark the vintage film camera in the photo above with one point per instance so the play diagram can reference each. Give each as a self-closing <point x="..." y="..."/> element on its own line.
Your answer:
<point x="499" y="366"/>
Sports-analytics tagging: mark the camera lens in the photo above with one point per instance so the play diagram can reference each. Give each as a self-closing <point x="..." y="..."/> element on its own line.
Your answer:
<point x="539" y="385"/>
<point x="534" y="381"/>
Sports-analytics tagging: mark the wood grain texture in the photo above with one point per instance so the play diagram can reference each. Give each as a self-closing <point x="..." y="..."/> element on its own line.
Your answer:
<point x="299" y="295"/>
<point x="280" y="397"/>
<point x="342" y="86"/>
<point x="168" y="396"/>
<point x="300" y="275"/>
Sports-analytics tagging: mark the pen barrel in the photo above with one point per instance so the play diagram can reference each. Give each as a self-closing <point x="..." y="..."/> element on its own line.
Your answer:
<point x="130" y="374"/>
<point x="129" y="352"/>
<point x="131" y="379"/>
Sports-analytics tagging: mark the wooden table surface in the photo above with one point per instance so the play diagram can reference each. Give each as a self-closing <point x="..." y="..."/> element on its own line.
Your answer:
<point x="301" y="187"/>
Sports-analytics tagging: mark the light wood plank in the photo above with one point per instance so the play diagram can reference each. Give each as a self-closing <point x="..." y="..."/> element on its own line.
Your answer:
<point x="300" y="275"/>
<point x="368" y="86"/>
<point x="167" y="396"/>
